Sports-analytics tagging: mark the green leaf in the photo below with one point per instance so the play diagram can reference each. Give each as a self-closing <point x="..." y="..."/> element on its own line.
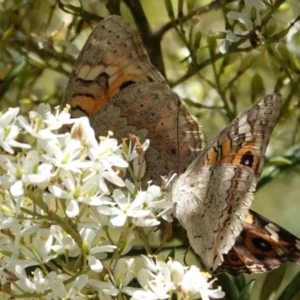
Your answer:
<point x="190" y="5"/>
<point x="239" y="282"/>
<point x="212" y="43"/>
<point x="14" y="72"/>
<point x="170" y="10"/>
<point x="292" y="155"/>
<point x="287" y="56"/>
<point x="8" y="33"/>
<point x="280" y="161"/>
<point x="246" y="292"/>
<point x="270" y="29"/>
<point x="284" y="7"/>
<point x="197" y="40"/>
<point x="272" y="282"/>
<point x="281" y="34"/>
<point x="227" y="286"/>
<point x="292" y="289"/>
<point x="218" y="35"/>
<point x="253" y="13"/>
<point x="180" y="8"/>
<point x="257" y="87"/>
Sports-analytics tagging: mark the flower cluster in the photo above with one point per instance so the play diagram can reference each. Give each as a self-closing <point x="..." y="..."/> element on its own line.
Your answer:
<point x="69" y="213"/>
<point x="251" y="18"/>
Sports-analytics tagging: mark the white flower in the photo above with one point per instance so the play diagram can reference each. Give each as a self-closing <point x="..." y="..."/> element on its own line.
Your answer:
<point x="88" y="237"/>
<point x="35" y="126"/>
<point x="241" y="17"/>
<point x="251" y="18"/>
<point x="60" y="201"/>
<point x="76" y="192"/>
<point x="132" y="152"/>
<point x="7" y="246"/>
<point x="72" y="291"/>
<point x="195" y="284"/>
<point x="29" y="170"/>
<point x="118" y="280"/>
<point x="158" y="207"/>
<point x="37" y="283"/>
<point x="37" y="253"/>
<point x="17" y="189"/>
<point x="230" y="38"/>
<point x="144" y="209"/>
<point x="63" y="242"/>
<point x="125" y="207"/>
<point x="155" y="280"/>
<point x="292" y="38"/>
<point x="9" y="131"/>
<point x="9" y="117"/>
<point x="56" y="121"/>
<point x="156" y="286"/>
<point x="252" y="7"/>
<point x="160" y="278"/>
<point x="153" y="265"/>
<point x="133" y="156"/>
<point x="128" y="244"/>
<point x="64" y="153"/>
<point x="35" y="171"/>
<point x="82" y="131"/>
<point x="104" y="160"/>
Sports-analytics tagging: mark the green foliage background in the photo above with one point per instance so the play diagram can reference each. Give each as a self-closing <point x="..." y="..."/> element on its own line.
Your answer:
<point x="41" y="39"/>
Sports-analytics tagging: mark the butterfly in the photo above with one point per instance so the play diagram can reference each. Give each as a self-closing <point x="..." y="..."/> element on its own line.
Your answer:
<point x="213" y="196"/>
<point x="261" y="246"/>
<point x="115" y="85"/>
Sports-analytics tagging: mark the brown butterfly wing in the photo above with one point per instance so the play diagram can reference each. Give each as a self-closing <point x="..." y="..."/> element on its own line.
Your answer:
<point x="262" y="246"/>
<point x="114" y="84"/>
<point x="152" y="111"/>
<point x="112" y="58"/>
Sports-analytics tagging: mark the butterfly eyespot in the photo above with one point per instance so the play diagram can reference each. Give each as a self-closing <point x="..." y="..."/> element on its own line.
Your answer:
<point x="262" y="245"/>
<point x="234" y="257"/>
<point x="247" y="159"/>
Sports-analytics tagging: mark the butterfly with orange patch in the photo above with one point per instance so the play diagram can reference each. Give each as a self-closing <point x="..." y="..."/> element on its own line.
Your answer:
<point x="116" y="86"/>
<point x="213" y="196"/>
<point x="261" y="246"/>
